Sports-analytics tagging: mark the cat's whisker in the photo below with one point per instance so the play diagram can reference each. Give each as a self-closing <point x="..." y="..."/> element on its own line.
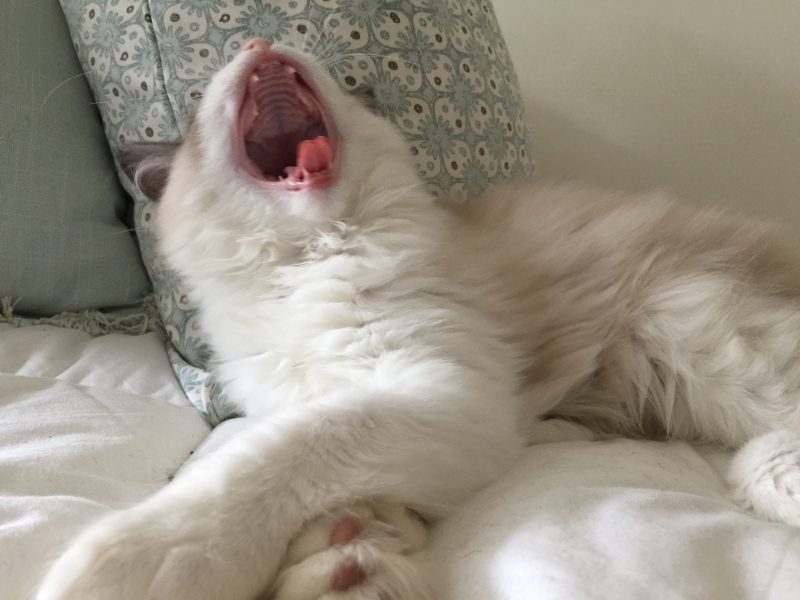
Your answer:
<point x="59" y="86"/>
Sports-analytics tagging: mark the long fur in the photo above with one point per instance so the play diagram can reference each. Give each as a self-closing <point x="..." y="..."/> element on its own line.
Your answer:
<point x="390" y="346"/>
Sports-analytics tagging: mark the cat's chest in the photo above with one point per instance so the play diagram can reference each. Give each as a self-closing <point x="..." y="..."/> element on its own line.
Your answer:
<point x="299" y="346"/>
<point x="312" y="344"/>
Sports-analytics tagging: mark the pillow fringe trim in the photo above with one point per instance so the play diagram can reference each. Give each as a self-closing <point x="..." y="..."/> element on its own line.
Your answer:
<point x="92" y="321"/>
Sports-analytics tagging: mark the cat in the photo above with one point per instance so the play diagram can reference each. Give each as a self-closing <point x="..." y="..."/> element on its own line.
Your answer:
<point x="395" y="353"/>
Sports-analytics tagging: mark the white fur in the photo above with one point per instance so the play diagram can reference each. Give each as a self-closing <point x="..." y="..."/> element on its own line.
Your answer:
<point x="389" y="346"/>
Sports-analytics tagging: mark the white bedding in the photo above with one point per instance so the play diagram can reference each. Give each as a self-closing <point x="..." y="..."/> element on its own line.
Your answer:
<point x="87" y="425"/>
<point x="616" y="520"/>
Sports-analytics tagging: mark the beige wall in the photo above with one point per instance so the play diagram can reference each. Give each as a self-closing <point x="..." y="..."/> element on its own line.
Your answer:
<point x="701" y="97"/>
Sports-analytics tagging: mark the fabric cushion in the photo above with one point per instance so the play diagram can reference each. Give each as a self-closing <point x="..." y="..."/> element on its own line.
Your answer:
<point x="439" y="70"/>
<point x="63" y="243"/>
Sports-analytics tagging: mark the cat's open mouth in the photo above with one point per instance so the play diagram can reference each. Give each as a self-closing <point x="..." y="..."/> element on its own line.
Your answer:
<point x="284" y="129"/>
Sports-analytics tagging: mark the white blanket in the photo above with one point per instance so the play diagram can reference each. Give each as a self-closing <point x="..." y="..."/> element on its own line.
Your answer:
<point x="89" y="425"/>
<point x="613" y="520"/>
<point x="86" y="425"/>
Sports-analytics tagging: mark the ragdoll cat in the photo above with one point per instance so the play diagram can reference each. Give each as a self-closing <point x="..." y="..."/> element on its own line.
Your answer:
<point x="395" y="353"/>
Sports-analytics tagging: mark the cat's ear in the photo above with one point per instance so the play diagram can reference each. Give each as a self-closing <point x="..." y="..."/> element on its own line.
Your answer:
<point x="148" y="165"/>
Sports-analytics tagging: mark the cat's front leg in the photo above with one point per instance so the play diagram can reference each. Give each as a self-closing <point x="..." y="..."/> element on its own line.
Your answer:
<point x="220" y="530"/>
<point x="210" y="534"/>
<point x="157" y="551"/>
<point x="214" y="532"/>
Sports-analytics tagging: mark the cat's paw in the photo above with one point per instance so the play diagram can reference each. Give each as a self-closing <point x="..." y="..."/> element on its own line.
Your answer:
<point x="358" y="553"/>
<point x="765" y="476"/>
<point x="139" y="555"/>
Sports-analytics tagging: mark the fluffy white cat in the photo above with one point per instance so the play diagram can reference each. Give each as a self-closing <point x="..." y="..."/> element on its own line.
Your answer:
<point x="395" y="353"/>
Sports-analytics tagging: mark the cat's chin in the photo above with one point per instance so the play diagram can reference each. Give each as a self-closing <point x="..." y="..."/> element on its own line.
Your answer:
<point x="285" y="137"/>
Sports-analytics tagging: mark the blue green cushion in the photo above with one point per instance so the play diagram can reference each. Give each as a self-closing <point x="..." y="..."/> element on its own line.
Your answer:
<point x="64" y="243"/>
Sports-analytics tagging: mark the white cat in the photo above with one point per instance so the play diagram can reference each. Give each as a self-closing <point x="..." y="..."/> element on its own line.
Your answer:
<point x="394" y="352"/>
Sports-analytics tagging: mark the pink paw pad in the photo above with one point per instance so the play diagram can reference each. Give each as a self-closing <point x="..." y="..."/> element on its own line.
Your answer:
<point x="347" y="575"/>
<point x="344" y="531"/>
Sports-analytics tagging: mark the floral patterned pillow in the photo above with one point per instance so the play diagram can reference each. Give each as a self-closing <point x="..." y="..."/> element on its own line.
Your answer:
<point x="439" y="69"/>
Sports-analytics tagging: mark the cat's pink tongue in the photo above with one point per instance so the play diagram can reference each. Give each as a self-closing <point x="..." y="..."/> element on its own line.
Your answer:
<point x="314" y="155"/>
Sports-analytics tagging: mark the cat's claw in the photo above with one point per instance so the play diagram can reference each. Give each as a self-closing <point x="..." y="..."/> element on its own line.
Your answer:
<point x="360" y="553"/>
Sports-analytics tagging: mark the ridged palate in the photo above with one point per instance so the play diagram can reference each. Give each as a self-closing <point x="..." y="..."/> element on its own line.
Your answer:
<point x="280" y="108"/>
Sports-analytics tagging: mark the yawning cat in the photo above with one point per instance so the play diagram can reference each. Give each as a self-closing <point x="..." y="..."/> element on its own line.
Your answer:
<point x="395" y="353"/>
